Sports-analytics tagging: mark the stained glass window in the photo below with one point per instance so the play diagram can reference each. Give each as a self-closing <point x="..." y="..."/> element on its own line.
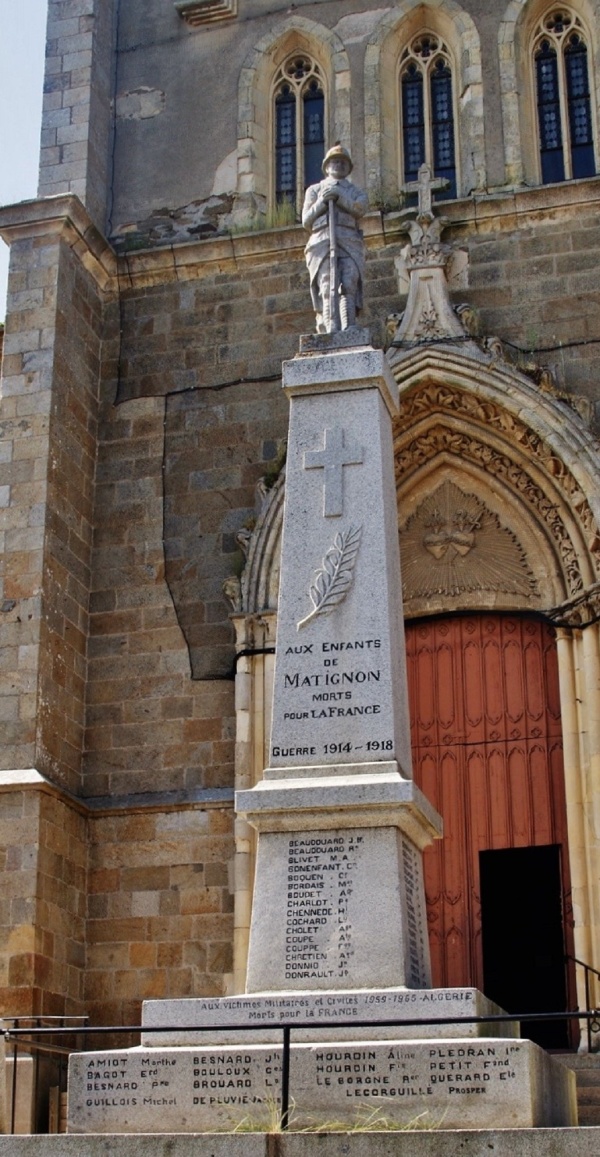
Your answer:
<point x="285" y="143"/>
<point x="413" y="123"/>
<point x="427" y="106"/>
<point x="299" y="128"/>
<point x="564" y="106"/>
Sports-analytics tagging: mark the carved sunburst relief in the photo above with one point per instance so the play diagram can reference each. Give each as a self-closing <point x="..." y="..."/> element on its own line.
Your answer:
<point x="453" y="545"/>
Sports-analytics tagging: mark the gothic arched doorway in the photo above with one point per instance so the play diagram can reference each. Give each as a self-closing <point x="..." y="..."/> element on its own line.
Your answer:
<point x="487" y="751"/>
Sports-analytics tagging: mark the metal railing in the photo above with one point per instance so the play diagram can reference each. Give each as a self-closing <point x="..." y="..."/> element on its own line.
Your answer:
<point x="591" y="1016"/>
<point x="593" y="1022"/>
<point x="56" y="1054"/>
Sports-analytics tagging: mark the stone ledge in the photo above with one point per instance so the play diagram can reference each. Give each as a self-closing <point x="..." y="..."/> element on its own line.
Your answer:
<point x="65" y="212"/>
<point x="572" y="1142"/>
<point x="521" y="1084"/>
<point x="29" y="779"/>
<point x="380" y="800"/>
<point x="186" y="260"/>
<point x="328" y="1008"/>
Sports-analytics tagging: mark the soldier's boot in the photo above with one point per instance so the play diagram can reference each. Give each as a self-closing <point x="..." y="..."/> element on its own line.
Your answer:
<point x="325" y="326"/>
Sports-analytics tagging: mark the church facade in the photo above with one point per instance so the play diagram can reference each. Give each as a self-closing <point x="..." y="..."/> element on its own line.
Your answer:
<point x="156" y="285"/>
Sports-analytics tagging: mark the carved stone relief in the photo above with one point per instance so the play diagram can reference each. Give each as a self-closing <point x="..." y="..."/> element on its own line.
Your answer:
<point x="468" y="446"/>
<point x="454" y="545"/>
<point x="334" y="579"/>
<point x="442" y="439"/>
<point x="258" y="587"/>
<point x="461" y="403"/>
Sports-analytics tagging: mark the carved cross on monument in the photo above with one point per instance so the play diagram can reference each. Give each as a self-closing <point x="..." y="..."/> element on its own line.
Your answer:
<point x="424" y="187"/>
<point x="332" y="460"/>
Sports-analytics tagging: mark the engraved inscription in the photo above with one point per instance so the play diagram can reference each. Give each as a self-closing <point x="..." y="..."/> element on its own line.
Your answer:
<point x="334" y="680"/>
<point x="318" y="936"/>
<point x="348" y="1004"/>
<point x="199" y="1089"/>
<point x="414" y="915"/>
<point x="399" y="1072"/>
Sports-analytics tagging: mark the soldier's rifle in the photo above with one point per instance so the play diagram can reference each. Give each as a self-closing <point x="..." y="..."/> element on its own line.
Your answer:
<point x="333" y="295"/>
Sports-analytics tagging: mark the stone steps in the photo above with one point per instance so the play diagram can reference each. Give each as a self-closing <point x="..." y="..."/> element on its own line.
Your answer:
<point x="586" y="1067"/>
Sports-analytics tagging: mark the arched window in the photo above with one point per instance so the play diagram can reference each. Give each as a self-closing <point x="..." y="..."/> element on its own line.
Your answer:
<point x="299" y="122"/>
<point x="564" y="106"/>
<point x="427" y="110"/>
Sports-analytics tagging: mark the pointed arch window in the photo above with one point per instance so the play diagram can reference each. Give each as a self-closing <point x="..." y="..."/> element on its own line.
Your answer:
<point x="427" y="111"/>
<point x="564" y="104"/>
<point x="299" y="121"/>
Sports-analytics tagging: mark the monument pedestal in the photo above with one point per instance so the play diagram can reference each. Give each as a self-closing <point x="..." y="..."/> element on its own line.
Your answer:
<point x="339" y="901"/>
<point x="472" y="1082"/>
<point x="328" y="1015"/>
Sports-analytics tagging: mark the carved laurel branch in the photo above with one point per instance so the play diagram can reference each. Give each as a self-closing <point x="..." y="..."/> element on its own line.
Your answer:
<point x="334" y="579"/>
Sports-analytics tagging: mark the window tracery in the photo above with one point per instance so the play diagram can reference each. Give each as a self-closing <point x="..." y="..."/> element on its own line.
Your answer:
<point x="427" y="110"/>
<point x="563" y="97"/>
<point x="299" y="127"/>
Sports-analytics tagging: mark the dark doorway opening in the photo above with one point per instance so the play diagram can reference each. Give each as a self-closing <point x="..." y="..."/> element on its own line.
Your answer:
<point x="524" y="967"/>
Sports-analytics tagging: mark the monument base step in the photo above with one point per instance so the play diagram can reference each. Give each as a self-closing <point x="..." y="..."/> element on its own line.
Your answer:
<point x="586" y="1067"/>
<point x="442" y="1143"/>
<point x="465" y="1083"/>
<point x="259" y="1009"/>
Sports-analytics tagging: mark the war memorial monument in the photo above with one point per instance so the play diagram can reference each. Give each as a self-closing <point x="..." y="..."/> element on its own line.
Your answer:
<point x="339" y="933"/>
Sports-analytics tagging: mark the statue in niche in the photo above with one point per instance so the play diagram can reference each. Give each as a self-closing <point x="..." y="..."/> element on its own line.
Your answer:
<point x="335" y="253"/>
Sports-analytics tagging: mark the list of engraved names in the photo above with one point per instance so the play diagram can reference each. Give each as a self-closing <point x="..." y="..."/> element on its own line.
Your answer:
<point x="321" y="873"/>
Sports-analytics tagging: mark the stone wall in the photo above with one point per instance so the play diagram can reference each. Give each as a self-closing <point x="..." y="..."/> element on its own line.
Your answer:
<point x="77" y="110"/>
<point x="150" y="728"/>
<point x="160" y="908"/>
<point x="50" y="383"/>
<point x="152" y="171"/>
<point x="69" y="523"/>
<point x="43" y="855"/>
<point x="101" y="909"/>
<point x="166" y="70"/>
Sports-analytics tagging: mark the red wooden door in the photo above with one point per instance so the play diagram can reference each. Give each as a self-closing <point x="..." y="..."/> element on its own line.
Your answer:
<point x="487" y="750"/>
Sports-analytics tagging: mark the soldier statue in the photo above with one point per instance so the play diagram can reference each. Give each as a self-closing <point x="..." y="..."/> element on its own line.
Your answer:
<point x="335" y="253"/>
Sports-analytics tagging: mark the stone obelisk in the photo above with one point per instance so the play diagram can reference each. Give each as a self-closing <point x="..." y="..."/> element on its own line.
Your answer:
<point x="338" y="899"/>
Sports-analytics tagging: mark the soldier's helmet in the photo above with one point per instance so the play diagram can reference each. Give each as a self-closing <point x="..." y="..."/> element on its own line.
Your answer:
<point x="337" y="150"/>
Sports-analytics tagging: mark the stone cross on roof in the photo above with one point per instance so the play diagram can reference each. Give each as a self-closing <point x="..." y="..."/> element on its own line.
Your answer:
<point x="424" y="187"/>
